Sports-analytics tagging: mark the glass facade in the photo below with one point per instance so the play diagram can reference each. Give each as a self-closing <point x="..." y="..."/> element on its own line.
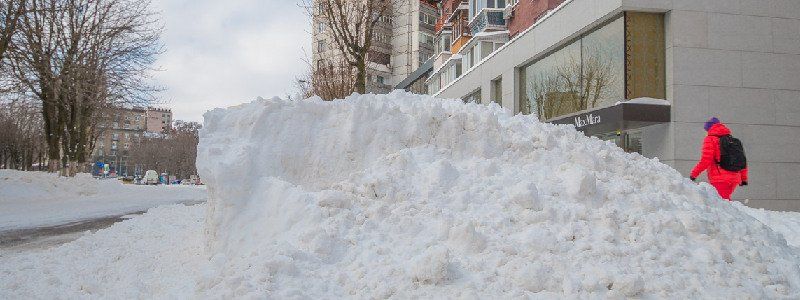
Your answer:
<point x="586" y="73"/>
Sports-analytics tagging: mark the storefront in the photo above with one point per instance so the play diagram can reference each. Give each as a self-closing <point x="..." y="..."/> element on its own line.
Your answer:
<point x="621" y="123"/>
<point x="587" y="81"/>
<point x="740" y="64"/>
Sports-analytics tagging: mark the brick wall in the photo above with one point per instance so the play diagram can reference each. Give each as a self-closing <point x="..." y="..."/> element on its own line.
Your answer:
<point x="527" y="12"/>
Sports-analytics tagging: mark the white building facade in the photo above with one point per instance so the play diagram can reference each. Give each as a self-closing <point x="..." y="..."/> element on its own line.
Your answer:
<point x="738" y="60"/>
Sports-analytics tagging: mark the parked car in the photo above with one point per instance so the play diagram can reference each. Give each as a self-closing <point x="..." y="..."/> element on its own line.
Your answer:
<point x="151" y="177"/>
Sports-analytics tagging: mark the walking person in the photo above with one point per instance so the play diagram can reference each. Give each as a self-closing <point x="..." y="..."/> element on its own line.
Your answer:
<point x="723" y="158"/>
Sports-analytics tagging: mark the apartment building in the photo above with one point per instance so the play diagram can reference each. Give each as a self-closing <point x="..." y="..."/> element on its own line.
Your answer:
<point x="122" y="128"/>
<point x="159" y="120"/>
<point x="401" y="43"/>
<point x="590" y="63"/>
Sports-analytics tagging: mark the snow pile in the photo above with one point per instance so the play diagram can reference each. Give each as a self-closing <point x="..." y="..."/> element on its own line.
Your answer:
<point x="36" y="199"/>
<point x="409" y="196"/>
<point x="785" y="223"/>
<point x="151" y="256"/>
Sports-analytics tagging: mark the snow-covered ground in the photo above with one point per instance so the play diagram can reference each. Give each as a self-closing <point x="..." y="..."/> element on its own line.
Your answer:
<point x="38" y="199"/>
<point x="412" y="197"/>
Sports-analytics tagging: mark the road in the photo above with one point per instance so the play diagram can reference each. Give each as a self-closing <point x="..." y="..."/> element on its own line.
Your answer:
<point x="19" y="240"/>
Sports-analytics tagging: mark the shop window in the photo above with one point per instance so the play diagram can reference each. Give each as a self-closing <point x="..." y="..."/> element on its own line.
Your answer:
<point x="584" y="74"/>
<point x="623" y="59"/>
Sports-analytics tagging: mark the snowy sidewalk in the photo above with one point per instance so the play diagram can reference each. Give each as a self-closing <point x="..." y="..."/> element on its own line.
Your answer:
<point x="34" y="199"/>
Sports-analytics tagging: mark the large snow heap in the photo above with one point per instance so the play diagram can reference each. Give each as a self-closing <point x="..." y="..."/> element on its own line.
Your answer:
<point x="409" y="196"/>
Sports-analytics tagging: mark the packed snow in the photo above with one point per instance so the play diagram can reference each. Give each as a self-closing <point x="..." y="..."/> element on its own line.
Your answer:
<point x="38" y="199"/>
<point x="152" y="255"/>
<point x="407" y="196"/>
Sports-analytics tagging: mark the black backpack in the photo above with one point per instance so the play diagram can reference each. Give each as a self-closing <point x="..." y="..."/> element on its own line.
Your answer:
<point x="731" y="155"/>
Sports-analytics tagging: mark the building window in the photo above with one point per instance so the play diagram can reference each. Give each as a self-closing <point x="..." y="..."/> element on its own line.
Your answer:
<point x="474" y="97"/>
<point x="478" y="5"/>
<point x="427" y="19"/>
<point x="320" y="27"/>
<point x="380" y="37"/>
<point x="426" y="39"/>
<point x="321" y="46"/>
<point x="443" y="45"/>
<point x="379" y="79"/>
<point x="586" y="73"/>
<point x="497" y="91"/>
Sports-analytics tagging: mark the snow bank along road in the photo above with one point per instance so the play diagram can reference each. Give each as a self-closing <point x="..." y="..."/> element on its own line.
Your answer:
<point x="35" y="199"/>
<point x="407" y="196"/>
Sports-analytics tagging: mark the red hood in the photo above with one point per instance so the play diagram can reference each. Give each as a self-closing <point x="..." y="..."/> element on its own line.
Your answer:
<point x="719" y="129"/>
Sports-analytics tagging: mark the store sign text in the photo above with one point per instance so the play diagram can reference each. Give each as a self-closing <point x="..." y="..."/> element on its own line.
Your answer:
<point x="588" y="119"/>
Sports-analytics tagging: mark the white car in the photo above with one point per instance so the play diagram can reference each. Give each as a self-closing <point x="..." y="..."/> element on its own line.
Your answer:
<point x="150" y="177"/>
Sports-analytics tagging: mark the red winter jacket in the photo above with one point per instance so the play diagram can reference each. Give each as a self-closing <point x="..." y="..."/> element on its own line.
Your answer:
<point x="710" y="157"/>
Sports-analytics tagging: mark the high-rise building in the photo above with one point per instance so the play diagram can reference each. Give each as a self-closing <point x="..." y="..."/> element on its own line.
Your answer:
<point x="402" y="42"/>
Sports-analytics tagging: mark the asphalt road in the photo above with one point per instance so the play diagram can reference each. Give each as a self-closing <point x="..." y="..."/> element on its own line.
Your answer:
<point x="45" y="237"/>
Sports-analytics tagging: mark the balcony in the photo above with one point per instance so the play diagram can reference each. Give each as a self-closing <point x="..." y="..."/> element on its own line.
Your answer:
<point x="489" y="19"/>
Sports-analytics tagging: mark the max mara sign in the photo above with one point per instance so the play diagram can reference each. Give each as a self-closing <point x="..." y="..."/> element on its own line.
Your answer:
<point x="623" y="116"/>
<point x="587" y="119"/>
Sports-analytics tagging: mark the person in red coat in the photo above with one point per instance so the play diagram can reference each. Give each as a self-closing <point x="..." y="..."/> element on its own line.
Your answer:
<point x="723" y="180"/>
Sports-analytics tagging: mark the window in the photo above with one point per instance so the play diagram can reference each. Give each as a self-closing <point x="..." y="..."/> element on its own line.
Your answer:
<point x="380" y="37"/>
<point x="320" y="46"/>
<point x="424" y="56"/>
<point x="127" y="136"/>
<point x="115" y="136"/>
<point x="114" y="145"/>
<point x="444" y="42"/>
<point x="586" y="73"/>
<point x="474" y="97"/>
<point x="320" y="27"/>
<point x="427" y="19"/>
<point x="379" y="79"/>
<point x="478" y="5"/>
<point x="497" y="91"/>
<point x="426" y="39"/>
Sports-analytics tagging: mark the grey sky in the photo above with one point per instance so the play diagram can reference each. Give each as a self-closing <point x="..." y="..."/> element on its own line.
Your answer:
<point x="224" y="52"/>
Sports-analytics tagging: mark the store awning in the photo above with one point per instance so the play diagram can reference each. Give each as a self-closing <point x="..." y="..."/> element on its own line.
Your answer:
<point x="623" y="116"/>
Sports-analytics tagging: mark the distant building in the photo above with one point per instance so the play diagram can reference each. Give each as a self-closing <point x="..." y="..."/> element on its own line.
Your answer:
<point x="159" y="120"/>
<point x="121" y="128"/>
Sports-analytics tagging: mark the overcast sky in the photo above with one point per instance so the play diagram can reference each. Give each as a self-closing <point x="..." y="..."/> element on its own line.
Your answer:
<point x="224" y="52"/>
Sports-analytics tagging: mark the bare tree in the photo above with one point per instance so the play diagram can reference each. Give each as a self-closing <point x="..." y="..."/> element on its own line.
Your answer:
<point x="79" y="56"/>
<point x="174" y="153"/>
<point x="21" y="142"/>
<point x="352" y="25"/>
<point x="10" y="12"/>
<point x="328" y="81"/>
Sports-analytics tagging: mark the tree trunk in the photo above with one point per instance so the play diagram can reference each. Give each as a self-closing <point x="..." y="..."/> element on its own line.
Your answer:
<point x="361" y="76"/>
